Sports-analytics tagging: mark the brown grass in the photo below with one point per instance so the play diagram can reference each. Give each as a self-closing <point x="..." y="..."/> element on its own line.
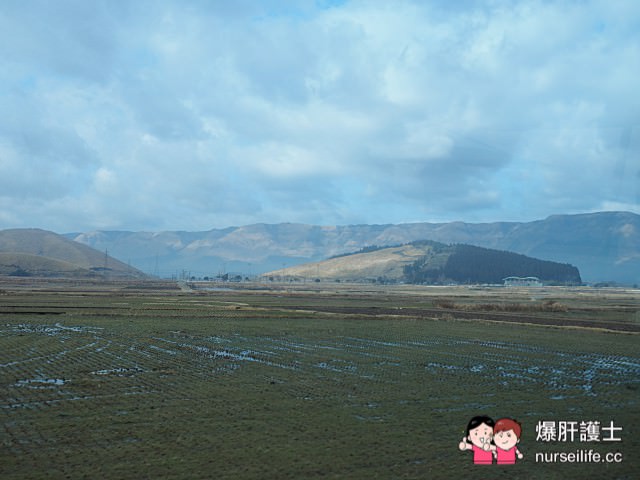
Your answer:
<point x="546" y="306"/>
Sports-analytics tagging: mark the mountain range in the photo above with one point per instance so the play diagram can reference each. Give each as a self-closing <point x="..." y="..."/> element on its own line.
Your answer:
<point x="604" y="246"/>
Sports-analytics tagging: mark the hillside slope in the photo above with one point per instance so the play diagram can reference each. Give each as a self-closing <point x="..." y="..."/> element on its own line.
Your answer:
<point x="432" y="263"/>
<point x="387" y="263"/>
<point x="27" y="265"/>
<point x="35" y="252"/>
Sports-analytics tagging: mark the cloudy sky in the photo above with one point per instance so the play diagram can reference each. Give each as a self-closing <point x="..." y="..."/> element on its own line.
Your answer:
<point x="192" y="115"/>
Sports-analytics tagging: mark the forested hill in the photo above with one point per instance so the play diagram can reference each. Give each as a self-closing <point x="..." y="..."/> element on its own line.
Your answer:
<point x="471" y="264"/>
<point x="431" y="262"/>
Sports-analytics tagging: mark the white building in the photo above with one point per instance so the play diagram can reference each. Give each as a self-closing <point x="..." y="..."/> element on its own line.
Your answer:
<point x="522" y="282"/>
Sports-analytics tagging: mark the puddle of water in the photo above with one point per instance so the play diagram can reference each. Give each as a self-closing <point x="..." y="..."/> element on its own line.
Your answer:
<point x="58" y="401"/>
<point x="243" y="356"/>
<point x="120" y="371"/>
<point x="369" y="418"/>
<point x="443" y="366"/>
<point x="40" y="382"/>
<point x="163" y="350"/>
<point x="56" y="329"/>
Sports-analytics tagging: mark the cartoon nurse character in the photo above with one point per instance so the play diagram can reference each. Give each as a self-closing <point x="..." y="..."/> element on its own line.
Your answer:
<point x="478" y="438"/>
<point x="506" y="434"/>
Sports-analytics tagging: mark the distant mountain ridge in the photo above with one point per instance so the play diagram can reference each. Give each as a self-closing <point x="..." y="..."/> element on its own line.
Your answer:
<point x="35" y="252"/>
<point x="605" y="246"/>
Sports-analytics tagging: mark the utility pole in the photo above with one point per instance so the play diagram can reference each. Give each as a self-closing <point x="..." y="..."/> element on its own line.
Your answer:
<point x="106" y="261"/>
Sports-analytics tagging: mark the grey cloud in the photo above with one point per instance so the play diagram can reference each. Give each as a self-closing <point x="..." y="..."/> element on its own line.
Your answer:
<point x="39" y="158"/>
<point x="161" y="111"/>
<point x="70" y="38"/>
<point x="224" y="112"/>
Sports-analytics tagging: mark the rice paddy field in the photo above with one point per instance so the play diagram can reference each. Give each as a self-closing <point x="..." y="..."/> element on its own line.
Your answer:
<point x="148" y="380"/>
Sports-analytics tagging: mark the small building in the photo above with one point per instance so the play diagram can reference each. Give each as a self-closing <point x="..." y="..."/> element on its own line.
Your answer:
<point x="522" y="282"/>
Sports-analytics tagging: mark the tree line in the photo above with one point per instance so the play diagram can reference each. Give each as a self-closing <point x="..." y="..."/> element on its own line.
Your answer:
<point x="471" y="264"/>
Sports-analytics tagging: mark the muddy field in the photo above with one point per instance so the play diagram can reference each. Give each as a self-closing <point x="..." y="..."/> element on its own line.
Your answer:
<point x="129" y="380"/>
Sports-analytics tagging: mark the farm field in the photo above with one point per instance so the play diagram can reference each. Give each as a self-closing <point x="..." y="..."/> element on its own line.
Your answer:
<point x="146" y="380"/>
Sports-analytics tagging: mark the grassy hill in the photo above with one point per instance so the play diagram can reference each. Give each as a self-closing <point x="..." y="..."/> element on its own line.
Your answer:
<point x="382" y="263"/>
<point x="24" y="264"/>
<point x="431" y="262"/>
<point x="35" y="252"/>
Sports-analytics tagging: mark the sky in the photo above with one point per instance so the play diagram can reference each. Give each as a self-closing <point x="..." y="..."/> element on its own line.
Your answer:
<point x="193" y="115"/>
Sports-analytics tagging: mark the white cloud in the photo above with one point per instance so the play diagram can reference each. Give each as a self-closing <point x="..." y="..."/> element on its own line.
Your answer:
<point x="193" y="115"/>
